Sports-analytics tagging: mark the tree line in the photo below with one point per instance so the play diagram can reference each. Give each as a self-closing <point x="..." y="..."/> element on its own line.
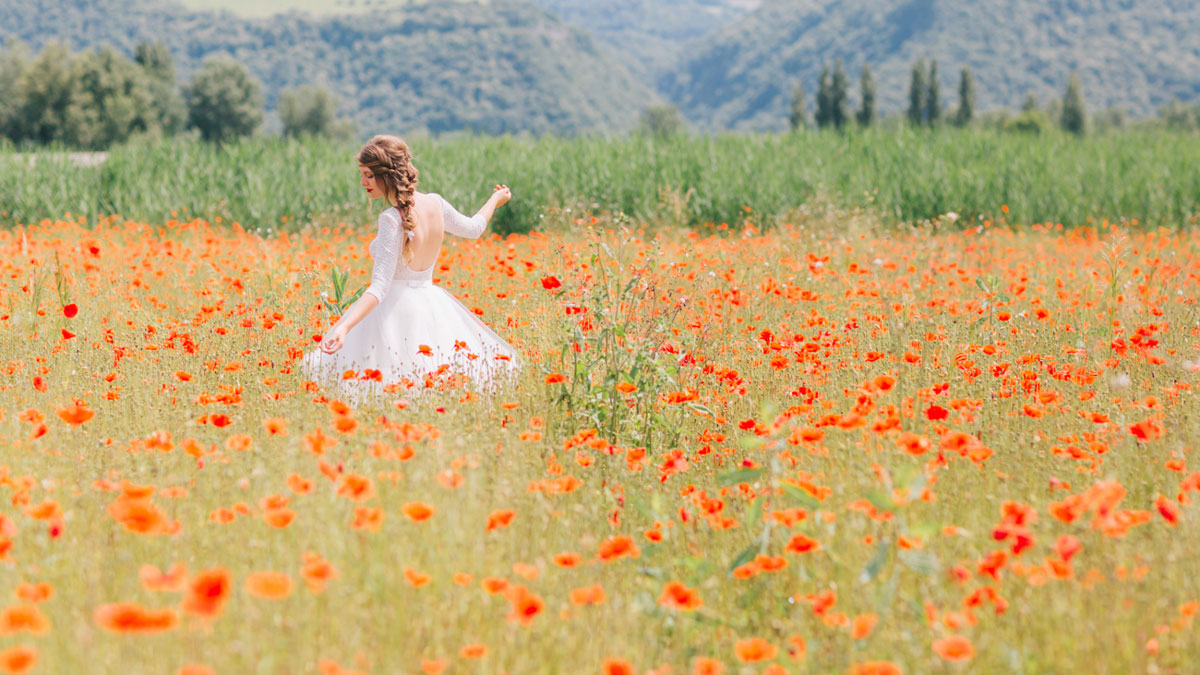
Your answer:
<point x="926" y="107"/>
<point x="98" y="98"/>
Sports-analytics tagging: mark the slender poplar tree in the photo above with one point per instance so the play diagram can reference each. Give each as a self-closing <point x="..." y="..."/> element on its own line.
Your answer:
<point x="866" y="113"/>
<point x="933" y="97"/>
<point x="966" y="98"/>
<point x="916" y="95"/>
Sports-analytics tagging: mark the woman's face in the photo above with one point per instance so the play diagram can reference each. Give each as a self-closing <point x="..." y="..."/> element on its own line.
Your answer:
<point x="374" y="190"/>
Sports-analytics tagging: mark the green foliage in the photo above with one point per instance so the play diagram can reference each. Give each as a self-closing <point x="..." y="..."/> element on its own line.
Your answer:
<point x="687" y="180"/>
<point x="340" y="302"/>
<point x="660" y="121"/>
<point x="1074" y="110"/>
<point x="312" y="111"/>
<point x="224" y="101"/>
<point x="41" y="98"/>
<point x="866" y="112"/>
<point x="933" y="97"/>
<point x="831" y="97"/>
<point x="1180" y="117"/>
<point x="419" y="67"/>
<point x="798" y="117"/>
<point x="1029" y="121"/>
<point x="730" y="81"/>
<point x="966" y="98"/>
<point x="916" y="95"/>
<point x="155" y="57"/>
<point x="90" y="100"/>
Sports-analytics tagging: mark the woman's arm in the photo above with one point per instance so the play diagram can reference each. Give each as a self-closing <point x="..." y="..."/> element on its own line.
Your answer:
<point x="473" y="227"/>
<point x="389" y="242"/>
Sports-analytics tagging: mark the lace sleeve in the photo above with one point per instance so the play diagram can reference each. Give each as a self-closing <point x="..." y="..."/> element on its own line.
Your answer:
<point x="386" y="251"/>
<point x="457" y="223"/>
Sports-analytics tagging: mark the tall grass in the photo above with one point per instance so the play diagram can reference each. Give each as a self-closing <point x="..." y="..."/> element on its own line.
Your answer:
<point x="1151" y="176"/>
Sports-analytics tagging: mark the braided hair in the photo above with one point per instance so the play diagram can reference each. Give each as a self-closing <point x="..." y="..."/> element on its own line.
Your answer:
<point x="390" y="161"/>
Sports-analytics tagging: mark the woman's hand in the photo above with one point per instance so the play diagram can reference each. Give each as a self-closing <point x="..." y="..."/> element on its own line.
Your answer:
<point x="334" y="339"/>
<point x="501" y="194"/>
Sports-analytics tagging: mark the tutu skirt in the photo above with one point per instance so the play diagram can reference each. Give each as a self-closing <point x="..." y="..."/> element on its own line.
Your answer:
<point x="417" y="329"/>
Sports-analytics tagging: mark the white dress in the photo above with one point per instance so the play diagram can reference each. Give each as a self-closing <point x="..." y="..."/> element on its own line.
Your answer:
<point x="418" y="328"/>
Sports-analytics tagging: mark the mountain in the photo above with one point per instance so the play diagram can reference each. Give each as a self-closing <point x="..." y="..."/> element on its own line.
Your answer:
<point x="508" y="66"/>
<point x="1138" y="55"/>
<point x="647" y="36"/>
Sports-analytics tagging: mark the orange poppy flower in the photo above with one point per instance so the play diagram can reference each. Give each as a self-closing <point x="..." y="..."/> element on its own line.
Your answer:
<point x="434" y="666"/>
<point x="417" y="511"/>
<point x="34" y="593"/>
<point x="207" y="592"/>
<point x="76" y="414"/>
<point x="752" y="650"/>
<point x="567" y="559"/>
<point x="317" y="572"/>
<point x="618" y="547"/>
<point x="588" y="595"/>
<point x="155" y="580"/>
<point x="195" y="669"/>
<point x="355" y="487"/>
<point x="493" y="585"/>
<point x="499" y="519"/>
<point x="268" y="584"/>
<point x="279" y="518"/>
<point x="525" y="605"/>
<point x="801" y="544"/>
<point x="125" y="617"/>
<point x="702" y="665"/>
<point x="954" y="648"/>
<point x="677" y="596"/>
<point x="139" y="515"/>
<point x="18" y="659"/>
<point x="414" y="578"/>
<point x="474" y="651"/>
<point x="23" y="618"/>
<point x="863" y="625"/>
<point x="366" y="518"/>
<point x="298" y="484"/>
<point x="617" y="667"/>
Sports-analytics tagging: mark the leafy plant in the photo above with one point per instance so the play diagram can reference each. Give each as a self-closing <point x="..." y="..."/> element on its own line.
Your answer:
<point x="341" y="302"/>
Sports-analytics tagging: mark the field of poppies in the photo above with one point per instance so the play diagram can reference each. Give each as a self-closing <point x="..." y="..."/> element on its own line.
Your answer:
<point x="821" y="447"/>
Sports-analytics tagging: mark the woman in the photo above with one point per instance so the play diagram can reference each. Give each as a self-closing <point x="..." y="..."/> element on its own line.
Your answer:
<point x="404" y="326"/>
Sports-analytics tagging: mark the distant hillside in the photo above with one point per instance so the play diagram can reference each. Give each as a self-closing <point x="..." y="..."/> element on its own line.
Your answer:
<point x="649" y="35"/>
<point x="1132" y="54"/>
<point x="439" y="66"/>
<point x="644" y="35"/>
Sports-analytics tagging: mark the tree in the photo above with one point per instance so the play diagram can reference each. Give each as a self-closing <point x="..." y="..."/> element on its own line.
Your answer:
<point x="43" y="93"/>
<point x="224" y="101"/>
<point x="156" y="59"/>
<point x="110" y="99"/>
<point x="933" y="97"/>
<point x="14" y="59"/>
<point x="798" y="118"/>
<point x="916" y="95"/>
<point x="866" y="113"/>
<point x="966" y="98"/>
<point x="824" y="114"/>
<point x="660" y="121"/>
<point x="309" y="110"/>
<point x="839" y="96"/>
<point x="170" y="111"/>
<point x="1074" y="110"/>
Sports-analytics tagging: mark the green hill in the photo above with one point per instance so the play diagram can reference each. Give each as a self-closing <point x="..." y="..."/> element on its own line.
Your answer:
<point x="1135" y="55"/>
<point x="506" y="67"/>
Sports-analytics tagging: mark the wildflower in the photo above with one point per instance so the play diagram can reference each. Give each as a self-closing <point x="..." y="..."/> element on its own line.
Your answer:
<point x="677" y="596"/>
<point x="132" y="618"/>
<point x="954" y="648"/>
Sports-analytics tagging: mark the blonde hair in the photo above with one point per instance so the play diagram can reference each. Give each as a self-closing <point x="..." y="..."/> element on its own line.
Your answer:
<point x="390" y="161"/>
